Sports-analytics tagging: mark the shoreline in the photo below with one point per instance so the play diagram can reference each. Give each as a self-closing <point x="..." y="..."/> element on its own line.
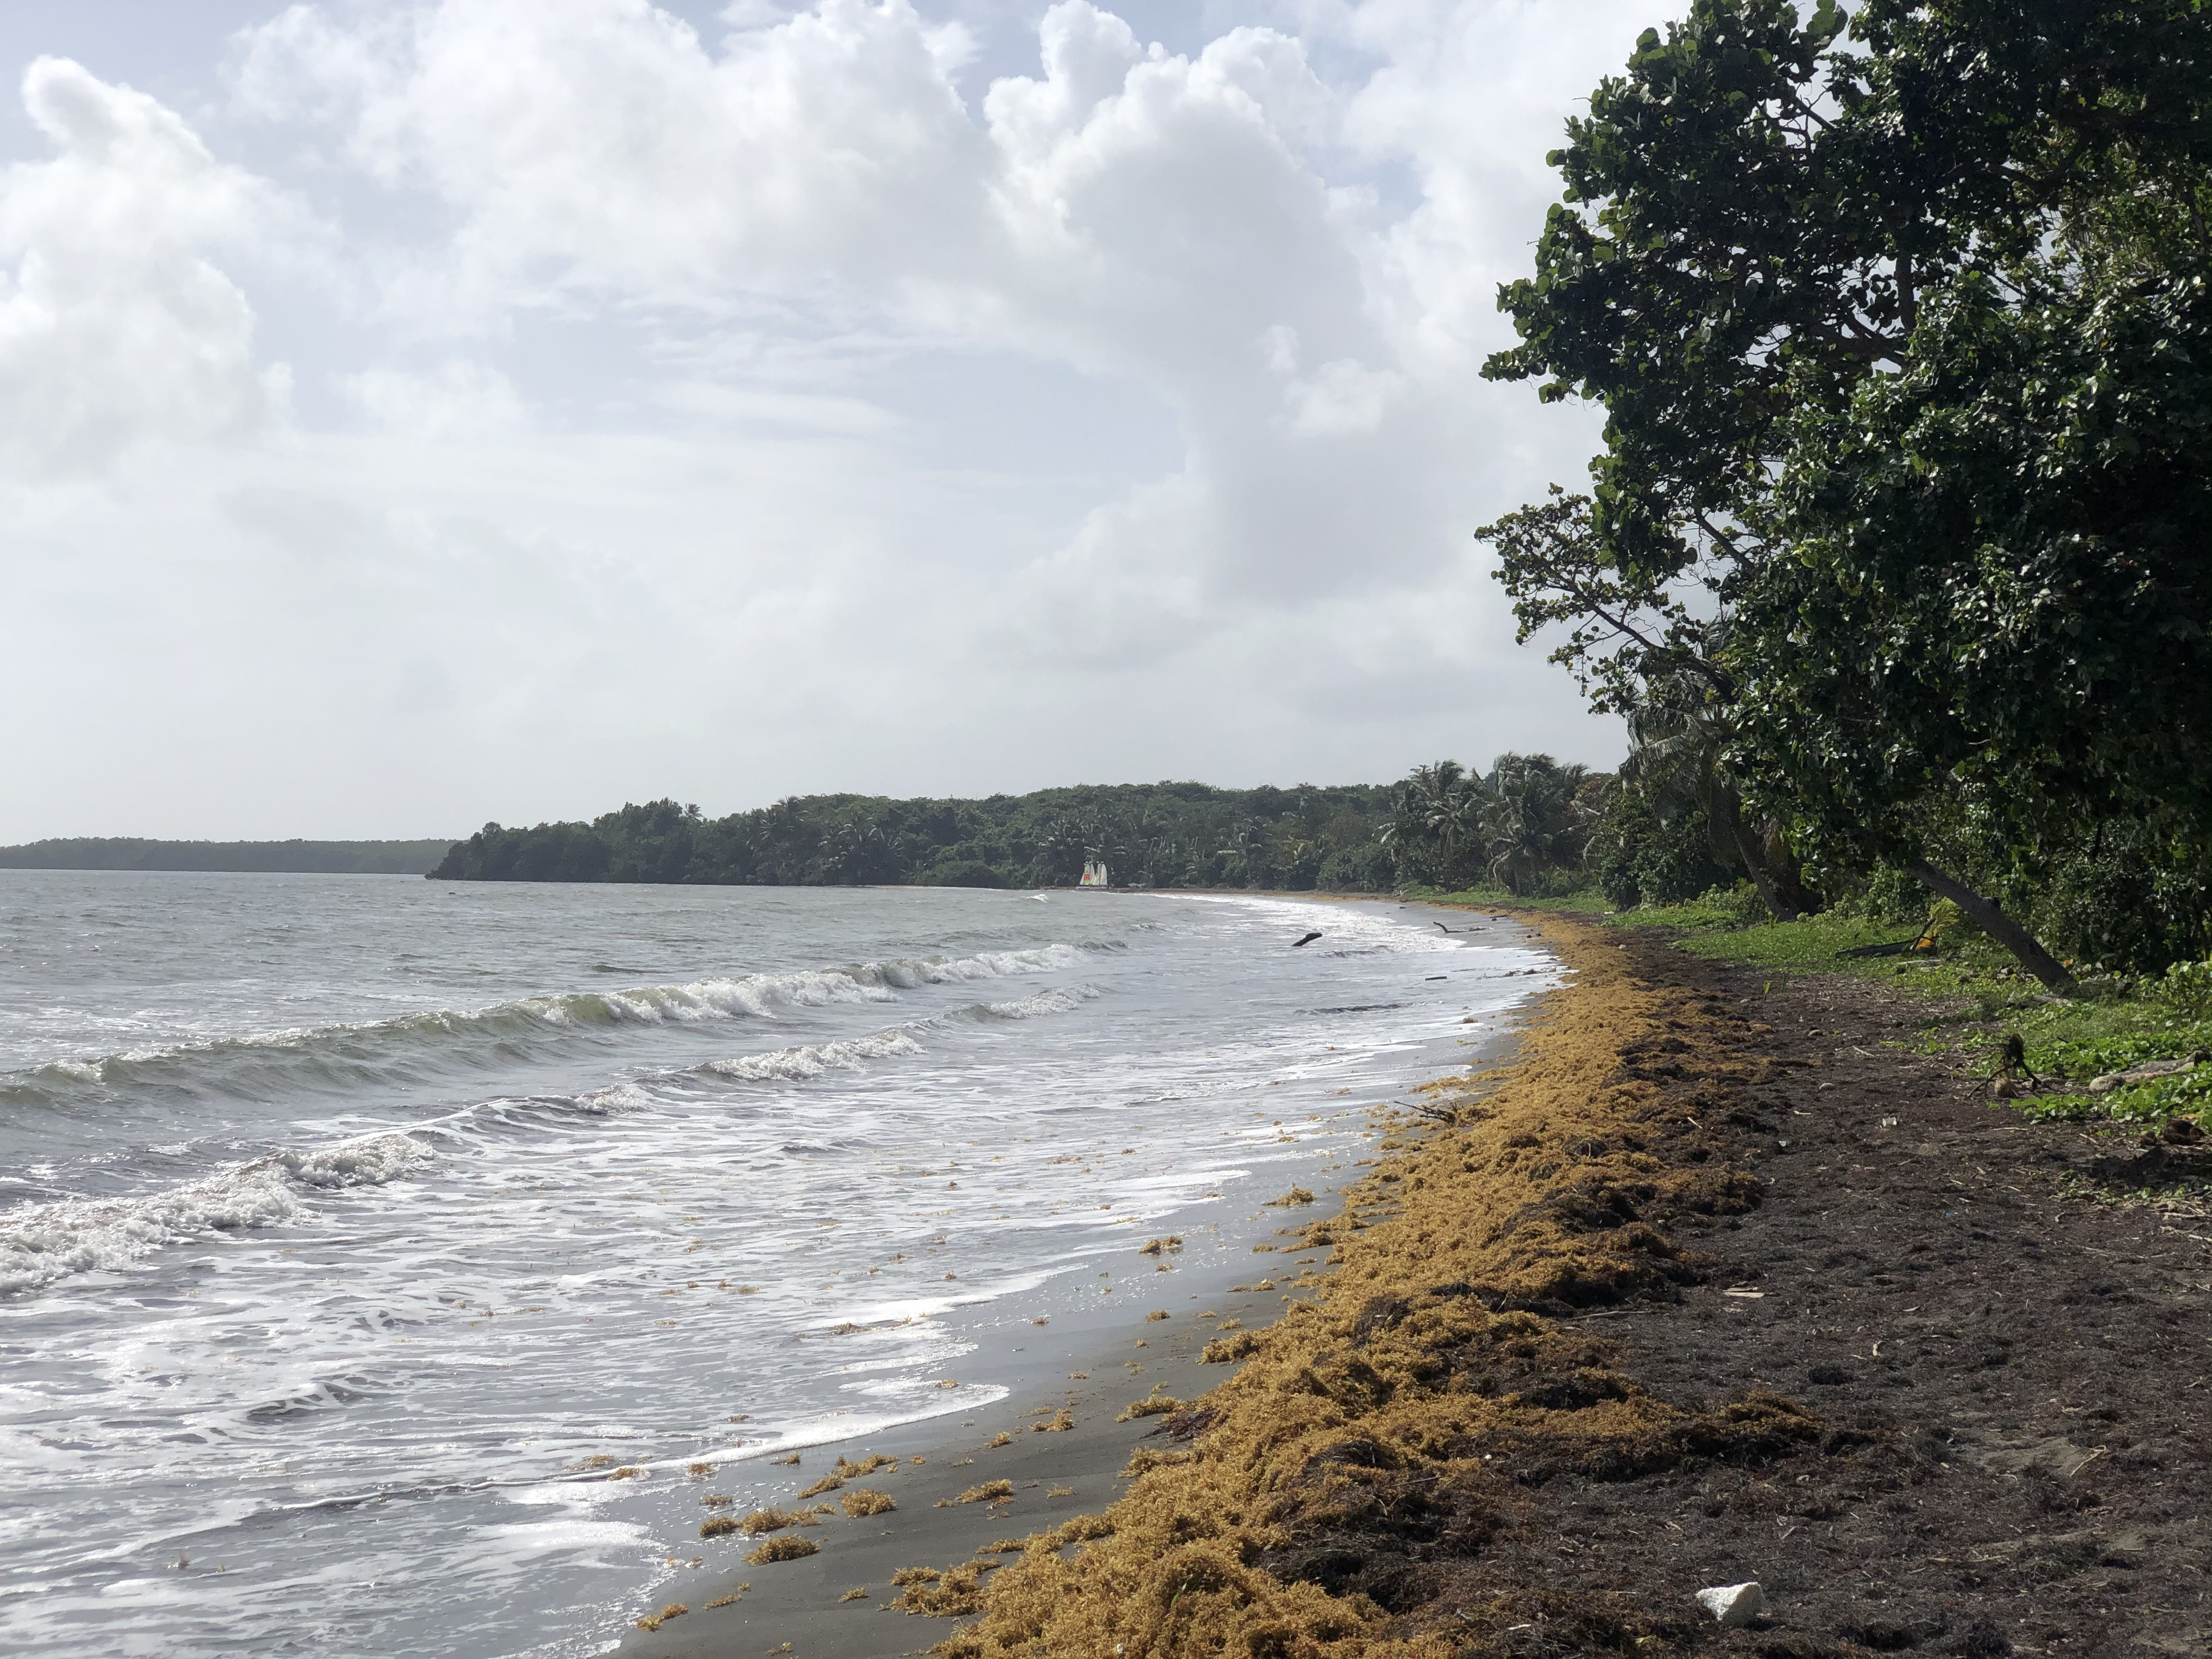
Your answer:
<point x="1724" y="1280"/>
<point x="1234" y="1270"/>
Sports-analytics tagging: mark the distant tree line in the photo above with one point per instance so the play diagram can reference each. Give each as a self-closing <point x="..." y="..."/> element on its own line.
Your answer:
<point x="1528" y="827"/>
<point x="1898" y="556"/>
<point x="1165" y="835"/>
<point x="363" y="858"/>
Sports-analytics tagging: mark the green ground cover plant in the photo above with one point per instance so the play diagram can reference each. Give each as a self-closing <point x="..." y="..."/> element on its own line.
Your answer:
<point x="1977" y="997"/>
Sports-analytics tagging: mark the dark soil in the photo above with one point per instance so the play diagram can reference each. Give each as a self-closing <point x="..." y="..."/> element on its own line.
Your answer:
<point x="2017" y="1445"/>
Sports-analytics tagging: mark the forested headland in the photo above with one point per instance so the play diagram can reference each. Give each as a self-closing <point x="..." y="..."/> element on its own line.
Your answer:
<point x="1526" y="825"/>
<point x="1165" y="835"/>
<point x="363" y="858"/>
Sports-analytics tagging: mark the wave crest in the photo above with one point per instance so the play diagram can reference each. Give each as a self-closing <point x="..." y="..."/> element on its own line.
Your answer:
<point x="304" y="1057"/>
<point x="42" y="1242"/>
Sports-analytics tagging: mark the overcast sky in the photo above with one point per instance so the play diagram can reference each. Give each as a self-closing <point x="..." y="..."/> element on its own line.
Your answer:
<point x="415" y="414"/>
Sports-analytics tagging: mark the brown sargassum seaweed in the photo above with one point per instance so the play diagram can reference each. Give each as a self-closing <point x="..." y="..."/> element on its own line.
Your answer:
<point x="1379" y="1435"/>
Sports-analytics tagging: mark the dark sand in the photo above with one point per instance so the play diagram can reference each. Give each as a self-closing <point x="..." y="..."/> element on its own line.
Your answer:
<point x="798" y="1601"/>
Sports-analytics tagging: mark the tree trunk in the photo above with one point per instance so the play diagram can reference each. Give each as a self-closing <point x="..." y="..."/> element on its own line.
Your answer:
<point x="1988" y="916"/>
<point x="1724" y="812"/>
<point x="1789" y="874"/>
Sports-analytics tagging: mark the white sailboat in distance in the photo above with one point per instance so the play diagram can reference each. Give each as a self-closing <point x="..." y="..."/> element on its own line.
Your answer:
<point x="1094" y="873"/>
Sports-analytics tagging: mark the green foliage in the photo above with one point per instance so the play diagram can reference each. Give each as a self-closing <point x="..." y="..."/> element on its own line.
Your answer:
<point x="1971" y="985"/>
<point x="2186" y="988"/>
<point x="1906" y="347"/>
<point x="1640" y="859"/>
<point x="1167" y="834"/>
<point x="1525" y="827"/>
<point x="964" y="872"/>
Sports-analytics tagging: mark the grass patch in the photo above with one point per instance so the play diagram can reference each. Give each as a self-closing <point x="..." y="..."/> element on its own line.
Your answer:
<point x="1977" y="998"/>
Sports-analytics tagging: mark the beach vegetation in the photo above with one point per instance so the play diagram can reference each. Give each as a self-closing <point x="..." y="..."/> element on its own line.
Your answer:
<point x="1892" y="558"/>
<point x="989" y="1493"/>
<point x="861" y="1502"/>
<point x="1977" y="998"/>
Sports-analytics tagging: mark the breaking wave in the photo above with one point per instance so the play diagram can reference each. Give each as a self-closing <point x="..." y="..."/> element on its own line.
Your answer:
<point x="816" y="1060"/>
<point x="42" y="1242"/>
<point x="796" y="1065"/>
<point x="1062" y="1000"/>
<point x="367" y="1051"/>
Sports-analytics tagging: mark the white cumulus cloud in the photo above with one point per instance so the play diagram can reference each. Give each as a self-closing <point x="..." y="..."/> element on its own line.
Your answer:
<point x="804" y="394"/>
<point x="116" y="323"/>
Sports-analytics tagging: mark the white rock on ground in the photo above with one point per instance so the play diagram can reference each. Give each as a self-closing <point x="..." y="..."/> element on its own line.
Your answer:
<point x="1733" y="1606"/>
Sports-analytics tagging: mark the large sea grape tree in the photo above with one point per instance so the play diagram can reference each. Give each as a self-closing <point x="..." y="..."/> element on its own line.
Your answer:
<point x="1901" y="327"/>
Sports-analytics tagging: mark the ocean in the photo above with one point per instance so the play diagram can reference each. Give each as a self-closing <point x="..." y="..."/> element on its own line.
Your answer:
<point x="354" y="1229"/>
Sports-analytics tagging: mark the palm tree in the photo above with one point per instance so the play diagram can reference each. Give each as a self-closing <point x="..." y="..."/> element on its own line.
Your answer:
<point x="1435" y="820"/>
<point x="1530" y="819"/>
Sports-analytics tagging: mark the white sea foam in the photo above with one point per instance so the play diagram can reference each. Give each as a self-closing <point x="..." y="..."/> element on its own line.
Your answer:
<point x="1062" y="1000"/>
<point x="349" y="1049"/>
<point x="42" y="1242"/>
<point x="796" y="1065"/>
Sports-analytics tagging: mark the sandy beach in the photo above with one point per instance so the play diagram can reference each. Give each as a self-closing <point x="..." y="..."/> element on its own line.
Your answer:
<point x="1719" y="1282"/>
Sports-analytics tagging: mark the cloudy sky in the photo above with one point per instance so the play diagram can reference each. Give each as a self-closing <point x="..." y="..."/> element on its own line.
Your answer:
<point x="414" y="412"/>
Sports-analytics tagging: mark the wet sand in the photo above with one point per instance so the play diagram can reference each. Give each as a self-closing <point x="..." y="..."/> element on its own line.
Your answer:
<point x="1055" y="1476"/>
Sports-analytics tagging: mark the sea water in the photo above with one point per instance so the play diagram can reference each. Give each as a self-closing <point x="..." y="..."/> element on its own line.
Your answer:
<point x="354" y="1230"/>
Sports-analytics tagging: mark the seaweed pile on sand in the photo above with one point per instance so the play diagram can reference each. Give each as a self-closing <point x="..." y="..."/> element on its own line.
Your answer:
<point x="1334" y="1498"/>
